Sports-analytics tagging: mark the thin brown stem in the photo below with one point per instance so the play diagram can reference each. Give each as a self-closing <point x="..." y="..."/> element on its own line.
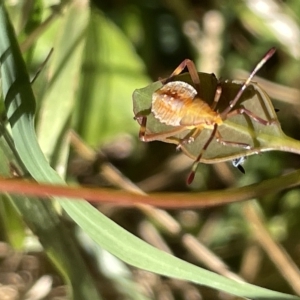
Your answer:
<point x="170" y="200"/>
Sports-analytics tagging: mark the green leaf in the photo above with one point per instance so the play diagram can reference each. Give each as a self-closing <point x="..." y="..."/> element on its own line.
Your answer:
<point x="238" y="128"/>
<point x="11" y="222"/>
<point x="40" y="216"/>
<point x="57" y="103"/>
<point x="110" y="72"/>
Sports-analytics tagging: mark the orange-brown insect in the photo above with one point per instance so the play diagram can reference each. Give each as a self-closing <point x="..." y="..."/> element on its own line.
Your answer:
<point x="177" y="104"/>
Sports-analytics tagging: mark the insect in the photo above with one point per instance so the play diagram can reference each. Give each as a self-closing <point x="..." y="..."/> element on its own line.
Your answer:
<point x="238" y="163"/>
<point x="178" y="105"/>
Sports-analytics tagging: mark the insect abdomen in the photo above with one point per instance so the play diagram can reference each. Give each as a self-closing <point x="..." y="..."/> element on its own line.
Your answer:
<point x="176" y="104"/>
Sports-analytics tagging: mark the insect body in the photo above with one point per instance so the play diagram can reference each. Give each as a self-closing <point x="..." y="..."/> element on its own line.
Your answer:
<point x="179" y="105"/>
<point x="238" y="163"/>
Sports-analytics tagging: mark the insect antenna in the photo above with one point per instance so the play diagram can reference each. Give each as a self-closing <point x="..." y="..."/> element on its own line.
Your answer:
<point x="232" y="103"/>
<point x="224" y="114"/>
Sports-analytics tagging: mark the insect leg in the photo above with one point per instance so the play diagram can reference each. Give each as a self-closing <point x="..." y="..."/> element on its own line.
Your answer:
<point x="243" y="110"/>
<point x="217" y="97"/>
<point x="192" y="70"/>
<point x="215" y="133"/>
<point x="149" y="137"/>
<point x="232" y="103"/>
<point x="220" y="140"/>
<point x="142" y="132"/>
<point x="189" y="138"/>
<point x="191" y="176"/>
